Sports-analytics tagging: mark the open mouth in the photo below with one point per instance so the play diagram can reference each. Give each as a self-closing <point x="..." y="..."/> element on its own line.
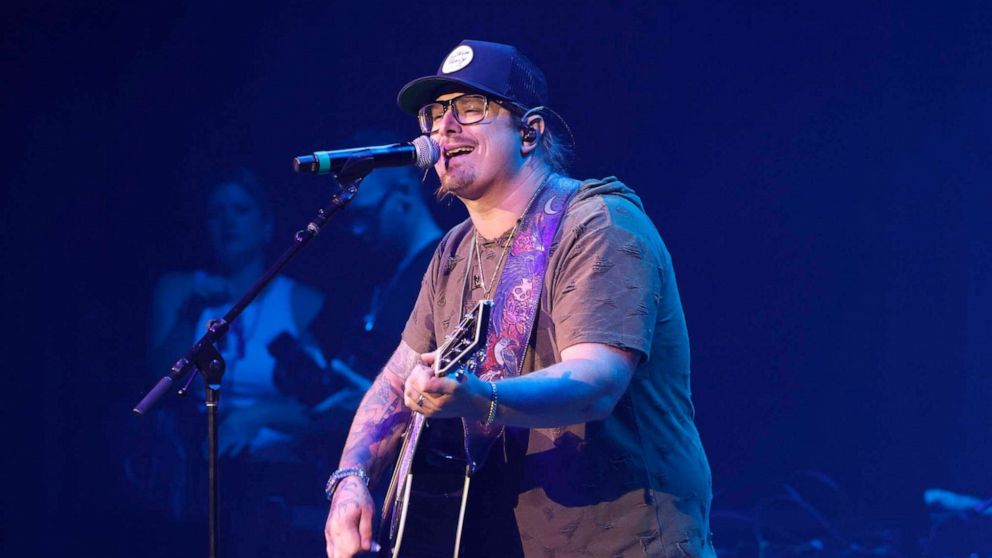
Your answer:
<point x="450" y="154"/>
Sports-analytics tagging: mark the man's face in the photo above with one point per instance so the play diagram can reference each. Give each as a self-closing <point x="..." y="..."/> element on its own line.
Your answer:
<point x="376" y="215"/>
<point x="493" y="153"/>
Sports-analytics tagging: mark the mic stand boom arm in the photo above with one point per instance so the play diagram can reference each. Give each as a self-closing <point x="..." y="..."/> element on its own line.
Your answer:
<point x="204" y="357"/>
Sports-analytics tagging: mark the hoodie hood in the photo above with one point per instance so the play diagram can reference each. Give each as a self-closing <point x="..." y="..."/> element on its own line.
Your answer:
<point x="608" y="186"/>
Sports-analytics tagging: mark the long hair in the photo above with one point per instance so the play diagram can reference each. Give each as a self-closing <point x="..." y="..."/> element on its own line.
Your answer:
<point x="555" y="150"/>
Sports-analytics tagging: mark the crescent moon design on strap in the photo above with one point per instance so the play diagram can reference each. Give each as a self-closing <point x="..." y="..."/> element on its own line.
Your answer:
<point x="547" y="206"/>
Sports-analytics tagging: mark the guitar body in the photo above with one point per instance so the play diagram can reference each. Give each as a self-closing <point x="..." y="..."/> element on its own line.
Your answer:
<point x="424" y="506"/>
<point x="429" y="500"/>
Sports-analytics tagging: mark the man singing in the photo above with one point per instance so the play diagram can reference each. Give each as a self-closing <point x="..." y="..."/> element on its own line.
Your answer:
<point x="578" y="426"/>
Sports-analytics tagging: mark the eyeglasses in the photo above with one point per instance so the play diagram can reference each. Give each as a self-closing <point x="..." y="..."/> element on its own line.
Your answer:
<point x="467" y="109"/>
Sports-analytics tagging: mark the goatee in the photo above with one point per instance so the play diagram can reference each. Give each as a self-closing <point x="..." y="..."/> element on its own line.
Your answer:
<point x="454" y="183"/>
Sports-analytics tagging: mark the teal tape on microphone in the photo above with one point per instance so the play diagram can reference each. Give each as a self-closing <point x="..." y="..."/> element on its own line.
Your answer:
<point x="323" y="163"/>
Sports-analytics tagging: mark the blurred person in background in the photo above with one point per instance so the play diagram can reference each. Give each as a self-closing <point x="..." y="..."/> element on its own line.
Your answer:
<point x="393" y="234"/>
<point x="277" y="391"/>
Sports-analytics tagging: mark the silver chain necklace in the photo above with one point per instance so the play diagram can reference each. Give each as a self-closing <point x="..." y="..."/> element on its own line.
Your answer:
<point x="506" y="248"/>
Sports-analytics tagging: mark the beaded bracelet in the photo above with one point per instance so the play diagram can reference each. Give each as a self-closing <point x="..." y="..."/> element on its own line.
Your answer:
<point x="339" y="475"/>
<point x="493" y="402"/>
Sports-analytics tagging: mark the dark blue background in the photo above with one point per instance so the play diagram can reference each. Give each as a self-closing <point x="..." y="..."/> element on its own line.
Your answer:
<point x="821" y="174"/>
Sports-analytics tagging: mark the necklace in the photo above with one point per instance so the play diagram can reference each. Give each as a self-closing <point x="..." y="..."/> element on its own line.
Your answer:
<point x="506" y="248"/>
<point x="481" y="277"/>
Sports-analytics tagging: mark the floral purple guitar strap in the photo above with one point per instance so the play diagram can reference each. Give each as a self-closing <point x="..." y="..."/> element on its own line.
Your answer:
<point x="516" y="300"/>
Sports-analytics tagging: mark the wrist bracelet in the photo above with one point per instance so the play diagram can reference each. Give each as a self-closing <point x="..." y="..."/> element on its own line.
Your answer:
<point x="493" y="402"/>
<point x="339" y="475"/>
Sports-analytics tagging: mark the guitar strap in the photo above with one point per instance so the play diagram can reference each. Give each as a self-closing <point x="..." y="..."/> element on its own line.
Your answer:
<point x="516" y="301"/>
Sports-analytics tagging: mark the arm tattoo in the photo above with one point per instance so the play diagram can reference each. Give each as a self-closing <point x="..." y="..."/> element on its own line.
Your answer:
<point x="381" y="417"/>
<point x="402" y="362"/>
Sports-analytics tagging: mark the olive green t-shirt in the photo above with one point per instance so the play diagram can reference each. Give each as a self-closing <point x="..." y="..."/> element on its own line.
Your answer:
<point x="638" y="481"/>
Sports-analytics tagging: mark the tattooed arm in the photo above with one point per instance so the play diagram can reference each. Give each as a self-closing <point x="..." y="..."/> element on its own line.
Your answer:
<point x="372" y="442"/>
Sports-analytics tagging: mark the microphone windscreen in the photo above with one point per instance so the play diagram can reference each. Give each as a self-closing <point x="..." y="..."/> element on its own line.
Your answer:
<point x="428" y="151"/>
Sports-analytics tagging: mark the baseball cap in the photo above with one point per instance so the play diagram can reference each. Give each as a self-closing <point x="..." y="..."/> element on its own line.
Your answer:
<point x="492" y="68"/>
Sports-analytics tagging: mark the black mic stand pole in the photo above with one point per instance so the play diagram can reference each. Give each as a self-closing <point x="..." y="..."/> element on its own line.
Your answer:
<point x="204" y="357"/>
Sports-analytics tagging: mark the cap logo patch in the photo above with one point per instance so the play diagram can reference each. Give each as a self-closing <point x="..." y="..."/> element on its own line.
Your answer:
<point x="458" y="59"/>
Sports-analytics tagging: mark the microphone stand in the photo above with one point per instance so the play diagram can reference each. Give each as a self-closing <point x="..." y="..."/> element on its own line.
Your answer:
<point x="203" y="356"/>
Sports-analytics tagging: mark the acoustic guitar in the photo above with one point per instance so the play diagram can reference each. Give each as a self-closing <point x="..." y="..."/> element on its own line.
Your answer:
<point x="462" y="351"/>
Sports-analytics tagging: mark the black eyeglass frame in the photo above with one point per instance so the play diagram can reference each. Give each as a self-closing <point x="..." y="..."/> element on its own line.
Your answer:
<point x="427" y="127"/>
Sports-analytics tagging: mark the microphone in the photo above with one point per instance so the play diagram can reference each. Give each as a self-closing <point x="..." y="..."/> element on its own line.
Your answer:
<point x="422" y="151"/>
